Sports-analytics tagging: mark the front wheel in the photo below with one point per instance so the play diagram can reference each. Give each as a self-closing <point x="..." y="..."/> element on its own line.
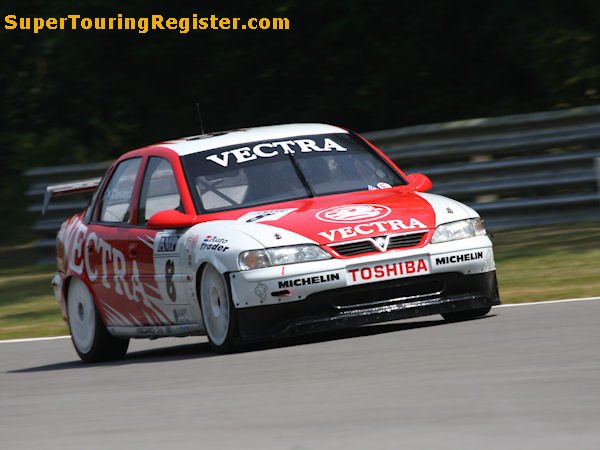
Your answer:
<point x="466" y="315"/>
<point x="218" y="312"/>
<point x="91" y="340"/>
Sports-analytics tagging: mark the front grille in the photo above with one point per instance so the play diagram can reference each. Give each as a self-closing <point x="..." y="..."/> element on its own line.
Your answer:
<point x="355" y="248"/>
<point x="368" y="245"/>
<point x="405" y="240"/>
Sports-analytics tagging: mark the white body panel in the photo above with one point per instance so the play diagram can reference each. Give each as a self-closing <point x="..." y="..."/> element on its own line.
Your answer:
<point x="220" y="243"/>
<point x="207" y="142"/>
<point x="255" y="287"/>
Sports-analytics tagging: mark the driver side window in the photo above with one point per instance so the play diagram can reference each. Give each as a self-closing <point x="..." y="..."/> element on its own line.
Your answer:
<point x="159" y="190"/>
<point x="116" y="198"/>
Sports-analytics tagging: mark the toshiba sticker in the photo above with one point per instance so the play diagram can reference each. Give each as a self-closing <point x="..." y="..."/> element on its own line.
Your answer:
<point x="389" y="270"/>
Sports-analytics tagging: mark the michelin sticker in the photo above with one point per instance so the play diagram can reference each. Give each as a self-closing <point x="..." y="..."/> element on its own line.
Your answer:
<point x="296" y="282"/>
<point x="459" y="258"/>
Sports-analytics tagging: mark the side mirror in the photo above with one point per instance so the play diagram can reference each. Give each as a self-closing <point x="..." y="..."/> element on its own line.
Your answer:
<point x="171" y="218"/>
<point x="420" y="182"/>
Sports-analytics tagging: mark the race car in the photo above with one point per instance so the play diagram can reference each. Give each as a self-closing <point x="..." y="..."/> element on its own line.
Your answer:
<point x="261" y="233"/>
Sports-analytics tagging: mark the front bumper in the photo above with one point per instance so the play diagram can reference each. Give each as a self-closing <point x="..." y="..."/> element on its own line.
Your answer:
<point x="296" y="282"/>
<point x="370" y="303"/>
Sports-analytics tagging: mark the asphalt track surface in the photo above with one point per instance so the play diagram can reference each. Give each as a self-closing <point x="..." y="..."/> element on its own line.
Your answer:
<point x="524" y="377"/>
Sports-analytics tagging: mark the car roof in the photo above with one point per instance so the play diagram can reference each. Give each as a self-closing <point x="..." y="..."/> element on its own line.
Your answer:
<point x="209" y="141"/>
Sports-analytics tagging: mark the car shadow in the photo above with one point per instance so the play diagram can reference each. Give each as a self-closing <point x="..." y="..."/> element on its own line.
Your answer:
<point x="163" y="354"/>
<point x="203" y="349"/>
<point x="336" y="335"/>
<point x="344" y="333"/>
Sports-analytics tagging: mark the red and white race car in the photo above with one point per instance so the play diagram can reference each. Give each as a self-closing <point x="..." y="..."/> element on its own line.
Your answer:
<point x="259" y="233"/>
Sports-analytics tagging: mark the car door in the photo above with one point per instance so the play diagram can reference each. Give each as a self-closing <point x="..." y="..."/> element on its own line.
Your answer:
<point x="163" y="271"/>
<point x="112" y="259"/>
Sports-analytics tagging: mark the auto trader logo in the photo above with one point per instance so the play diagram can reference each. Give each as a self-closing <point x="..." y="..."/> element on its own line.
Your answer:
<point x="353" y="213"/>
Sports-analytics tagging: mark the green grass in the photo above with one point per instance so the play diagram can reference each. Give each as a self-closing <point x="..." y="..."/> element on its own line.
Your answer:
<point x="533" y="264"/>
<point x="27" y="305"/>
<point x="548" y="263"/>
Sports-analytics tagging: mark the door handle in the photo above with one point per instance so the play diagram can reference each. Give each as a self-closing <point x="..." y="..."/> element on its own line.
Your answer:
<point x="132" y="249"/>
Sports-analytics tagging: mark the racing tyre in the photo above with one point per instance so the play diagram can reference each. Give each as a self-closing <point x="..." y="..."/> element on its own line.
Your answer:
<point x="466" y="315"/>
<point x="90" y="338"/>
<point x="218" y="312"/>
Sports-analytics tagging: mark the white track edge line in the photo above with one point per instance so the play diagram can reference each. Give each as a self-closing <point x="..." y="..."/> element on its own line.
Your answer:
<point x="50" y="338"/>
<point x="567" y="300"/>
<point x="508" y="305"/>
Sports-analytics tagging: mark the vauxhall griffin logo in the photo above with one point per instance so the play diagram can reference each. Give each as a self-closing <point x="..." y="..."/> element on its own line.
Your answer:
<point x="353" y="213"/>
<point x="381" y="243"/>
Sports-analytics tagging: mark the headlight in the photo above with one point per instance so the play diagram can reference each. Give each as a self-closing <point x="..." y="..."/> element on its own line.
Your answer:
<point x="458" y="230"/>
<point x="278" y="256"/>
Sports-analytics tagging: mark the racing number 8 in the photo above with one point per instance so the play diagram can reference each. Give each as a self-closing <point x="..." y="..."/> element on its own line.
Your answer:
<point x="169" y="272"/>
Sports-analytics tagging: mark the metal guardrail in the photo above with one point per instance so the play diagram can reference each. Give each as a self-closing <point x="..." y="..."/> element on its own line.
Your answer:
<point x="61" y="208"/>
<point x="517" y="171"/>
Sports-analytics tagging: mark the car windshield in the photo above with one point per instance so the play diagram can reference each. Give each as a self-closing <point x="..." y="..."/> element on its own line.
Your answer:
<point x="258" y="173"/>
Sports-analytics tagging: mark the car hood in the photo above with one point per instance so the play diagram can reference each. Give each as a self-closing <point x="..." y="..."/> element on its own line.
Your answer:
<point x="339" y="218"/>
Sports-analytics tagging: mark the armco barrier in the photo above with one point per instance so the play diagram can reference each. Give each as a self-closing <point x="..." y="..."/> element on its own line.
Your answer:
<point x="517" y="171"/>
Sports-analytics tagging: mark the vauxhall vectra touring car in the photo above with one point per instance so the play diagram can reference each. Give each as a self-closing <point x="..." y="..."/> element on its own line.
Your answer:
<point x="261" y="233"/>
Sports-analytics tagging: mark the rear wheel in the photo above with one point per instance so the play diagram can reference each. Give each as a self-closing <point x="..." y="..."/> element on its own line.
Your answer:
<point x="90" y="338"/>
<point x="466" y="315"/>
<point x="218" y="313"/>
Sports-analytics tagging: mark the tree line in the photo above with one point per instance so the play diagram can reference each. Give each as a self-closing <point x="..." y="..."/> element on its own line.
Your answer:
<point x="82" y="96"/>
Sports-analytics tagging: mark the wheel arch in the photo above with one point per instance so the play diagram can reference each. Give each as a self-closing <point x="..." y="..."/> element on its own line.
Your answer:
<point x="198" y="275"/>
<point x="201" y="260"/>
<point x="232" y="328"/>
<point x="65" y="291"/>
<point x="198" y="279"/>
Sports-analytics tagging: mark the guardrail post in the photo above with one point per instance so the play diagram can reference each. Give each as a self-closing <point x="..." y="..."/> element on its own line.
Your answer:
<point x="597" y="164"/>
<point x="487" y="197"/>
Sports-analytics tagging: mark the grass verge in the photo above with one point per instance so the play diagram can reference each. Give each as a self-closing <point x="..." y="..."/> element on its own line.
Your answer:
<point x="548" y="263"/>
<point x="534" y="264"/>
<point x="27" y="305"/>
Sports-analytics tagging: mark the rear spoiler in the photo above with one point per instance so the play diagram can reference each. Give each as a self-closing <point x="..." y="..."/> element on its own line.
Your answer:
<point x="74" y="187"/>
